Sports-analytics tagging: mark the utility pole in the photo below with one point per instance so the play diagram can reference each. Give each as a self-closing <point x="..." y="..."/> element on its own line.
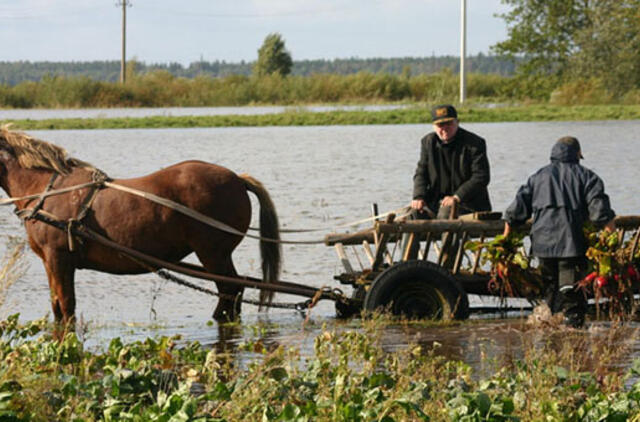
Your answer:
<point x="463" y="51"/>
<point x="123" y="60"/>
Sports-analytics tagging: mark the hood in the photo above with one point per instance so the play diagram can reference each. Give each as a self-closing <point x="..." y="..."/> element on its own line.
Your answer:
<point x="565" y="153"/>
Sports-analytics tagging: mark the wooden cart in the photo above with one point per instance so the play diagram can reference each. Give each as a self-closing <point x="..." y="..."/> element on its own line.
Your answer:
<point x="435" y="283"/>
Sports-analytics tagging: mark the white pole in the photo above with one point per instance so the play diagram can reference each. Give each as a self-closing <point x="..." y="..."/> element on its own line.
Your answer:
<point x="123" y="59"/>
<point x="463" y="51"/>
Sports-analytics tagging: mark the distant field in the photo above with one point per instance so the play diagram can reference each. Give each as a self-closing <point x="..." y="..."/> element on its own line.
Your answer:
<point x="306" y="118"/>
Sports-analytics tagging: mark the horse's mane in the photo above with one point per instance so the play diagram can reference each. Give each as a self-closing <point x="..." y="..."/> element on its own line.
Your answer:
<point x="34" y="153"/>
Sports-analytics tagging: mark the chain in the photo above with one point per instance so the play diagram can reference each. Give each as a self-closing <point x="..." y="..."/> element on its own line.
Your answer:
<point x="300" y="306"/>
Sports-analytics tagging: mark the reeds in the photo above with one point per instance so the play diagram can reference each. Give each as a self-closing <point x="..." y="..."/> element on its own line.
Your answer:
<point x="162" y="89"/>
<point x="12" y="267"/>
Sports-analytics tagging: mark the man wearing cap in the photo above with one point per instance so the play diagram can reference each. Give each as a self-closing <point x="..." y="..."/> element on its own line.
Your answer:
<point x="561" y="197"/>
<point x="453" y="168"/>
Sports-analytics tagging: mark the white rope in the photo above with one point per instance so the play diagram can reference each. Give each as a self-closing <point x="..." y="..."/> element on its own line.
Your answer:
<point x="9" y="201"/>
<point x="195" y="214"/>
<point x="400" y="212"/>
<point x="220" y="225"/>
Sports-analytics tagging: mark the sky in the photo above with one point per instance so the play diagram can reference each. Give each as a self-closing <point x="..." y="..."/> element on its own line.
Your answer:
<point x="184" y="31"/>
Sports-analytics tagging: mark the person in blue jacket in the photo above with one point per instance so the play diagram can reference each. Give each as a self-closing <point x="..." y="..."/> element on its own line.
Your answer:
<point x="561" y="197"/>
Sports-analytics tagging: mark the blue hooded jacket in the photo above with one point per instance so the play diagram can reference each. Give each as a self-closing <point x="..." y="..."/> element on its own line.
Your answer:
<point x="560" y="197"/>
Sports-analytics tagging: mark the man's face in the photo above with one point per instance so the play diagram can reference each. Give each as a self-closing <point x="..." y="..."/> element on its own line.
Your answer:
<point x="446" y="130"/>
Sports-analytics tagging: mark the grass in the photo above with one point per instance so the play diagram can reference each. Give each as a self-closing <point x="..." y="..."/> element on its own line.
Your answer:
<point x="412" y="115"/>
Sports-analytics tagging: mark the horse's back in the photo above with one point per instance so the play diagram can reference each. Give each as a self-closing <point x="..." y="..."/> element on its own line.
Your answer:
<point x="209" y="189"/>
<point x="192" y="183"/>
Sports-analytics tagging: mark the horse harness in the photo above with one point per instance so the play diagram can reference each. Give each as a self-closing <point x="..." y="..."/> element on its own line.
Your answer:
<point x="77" y="231"/>
<point x="37" y="213"/>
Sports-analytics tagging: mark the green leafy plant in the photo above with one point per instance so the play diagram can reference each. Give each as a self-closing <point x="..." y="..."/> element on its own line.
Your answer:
<point x="613" y="271"/>
<point x="511" y="272"/>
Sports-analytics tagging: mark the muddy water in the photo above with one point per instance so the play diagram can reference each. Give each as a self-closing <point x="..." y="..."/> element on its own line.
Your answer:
<point x="318" y="177"/>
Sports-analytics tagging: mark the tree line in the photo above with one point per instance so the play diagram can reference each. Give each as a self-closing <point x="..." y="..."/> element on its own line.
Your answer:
<point x="13" y="73"/>
<point x="556" y="51"/>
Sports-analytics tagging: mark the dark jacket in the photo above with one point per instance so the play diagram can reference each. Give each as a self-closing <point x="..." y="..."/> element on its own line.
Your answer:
<point x="468" y="177"/>
<point x="561" y="197"/>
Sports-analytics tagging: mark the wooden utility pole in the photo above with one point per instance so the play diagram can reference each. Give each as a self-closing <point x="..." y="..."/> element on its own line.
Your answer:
<point x="463" y="51"/>
<point x="123" y="60"/>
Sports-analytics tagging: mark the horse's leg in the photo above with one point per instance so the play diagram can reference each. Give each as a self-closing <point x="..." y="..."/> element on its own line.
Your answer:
<point x="61" y="274"/>
<point x="229" y="302"/>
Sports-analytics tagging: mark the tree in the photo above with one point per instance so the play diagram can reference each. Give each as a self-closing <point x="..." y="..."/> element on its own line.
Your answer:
<point x="273" y="57"/>
<point x="569" y="38"/>
<point x="543" y="32"/>
<point x="608" y="48"/>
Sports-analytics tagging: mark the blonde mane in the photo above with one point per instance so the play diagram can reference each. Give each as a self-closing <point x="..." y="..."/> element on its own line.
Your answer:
<point x="34" y="153"/>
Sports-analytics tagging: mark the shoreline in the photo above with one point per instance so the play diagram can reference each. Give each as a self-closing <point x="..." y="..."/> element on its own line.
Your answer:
<point x="409" y="115"/>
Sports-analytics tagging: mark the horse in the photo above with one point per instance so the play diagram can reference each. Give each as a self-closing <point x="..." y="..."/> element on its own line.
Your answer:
<point x="27" y="165"/>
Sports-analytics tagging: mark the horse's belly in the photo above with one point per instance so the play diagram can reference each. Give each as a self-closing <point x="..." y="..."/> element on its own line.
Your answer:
<point x="114" y="261"/>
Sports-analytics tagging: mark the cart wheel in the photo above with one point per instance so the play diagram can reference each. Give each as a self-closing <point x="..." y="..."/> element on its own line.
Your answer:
<point x="354" y="307"/>
<point x="418" y="289"/>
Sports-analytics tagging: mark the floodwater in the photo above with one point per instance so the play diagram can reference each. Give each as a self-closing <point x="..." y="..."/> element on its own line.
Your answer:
<point x="319" y="177"/>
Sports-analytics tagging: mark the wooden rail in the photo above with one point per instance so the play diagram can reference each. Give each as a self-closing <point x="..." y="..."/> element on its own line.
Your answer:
<point x="474" y="228"/>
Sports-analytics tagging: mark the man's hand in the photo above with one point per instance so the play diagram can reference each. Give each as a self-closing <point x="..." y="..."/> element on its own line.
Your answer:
<point x="417" y="204"/>
<point x="610" y="226"/>
<point x="449" y="201"/>
<point x="507" y="229"/>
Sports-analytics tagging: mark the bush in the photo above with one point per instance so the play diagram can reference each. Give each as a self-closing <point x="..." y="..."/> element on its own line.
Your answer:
<point x="582" y="92"/>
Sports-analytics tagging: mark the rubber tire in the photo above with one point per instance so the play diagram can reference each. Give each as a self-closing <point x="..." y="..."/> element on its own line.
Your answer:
<point x="418" y="289"/>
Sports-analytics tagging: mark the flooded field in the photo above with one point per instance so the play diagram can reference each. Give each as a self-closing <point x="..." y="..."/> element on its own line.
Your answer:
<point x="319" y="177"/>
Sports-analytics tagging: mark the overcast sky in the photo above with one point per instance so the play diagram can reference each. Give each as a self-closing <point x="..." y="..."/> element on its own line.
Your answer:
<point x="161" y="31"/>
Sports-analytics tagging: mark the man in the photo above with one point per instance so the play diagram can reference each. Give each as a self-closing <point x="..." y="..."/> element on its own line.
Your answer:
<point x="561" y="197"/>
<point x="453" y="168"/>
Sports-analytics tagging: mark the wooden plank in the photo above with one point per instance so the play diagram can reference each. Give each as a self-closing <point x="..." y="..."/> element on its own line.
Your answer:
<point x="437" y="227"/>
<point x="357" y="255"/>
<point x="475" y="228"/>
<point x="343" y="258"/>
<point x="406" y="254"/>
<point x="427" y="247"/>
<point x="627" y="222"/>
<point x="355" y="238"/>
<point x="374" y="214"/>
<point x="381" y="246"/>
<point x="367" y="251"/>
<point x="476" y="258"/>
<point x="458" y="261"/>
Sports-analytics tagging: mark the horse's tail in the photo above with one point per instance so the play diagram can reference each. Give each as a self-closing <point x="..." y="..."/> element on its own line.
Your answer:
<point x="270" y="250"/>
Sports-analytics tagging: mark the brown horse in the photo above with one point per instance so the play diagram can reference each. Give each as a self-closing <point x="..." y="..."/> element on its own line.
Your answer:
<point x="27" y="165"/>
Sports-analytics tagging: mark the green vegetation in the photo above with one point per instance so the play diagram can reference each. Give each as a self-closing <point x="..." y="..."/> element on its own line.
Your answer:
<point x="575" y="41"/>
<point x="13" y="73"/>
<point x="297" y="117"/>
<point x="561" y="375"/>
<point x="161" y="89"/>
